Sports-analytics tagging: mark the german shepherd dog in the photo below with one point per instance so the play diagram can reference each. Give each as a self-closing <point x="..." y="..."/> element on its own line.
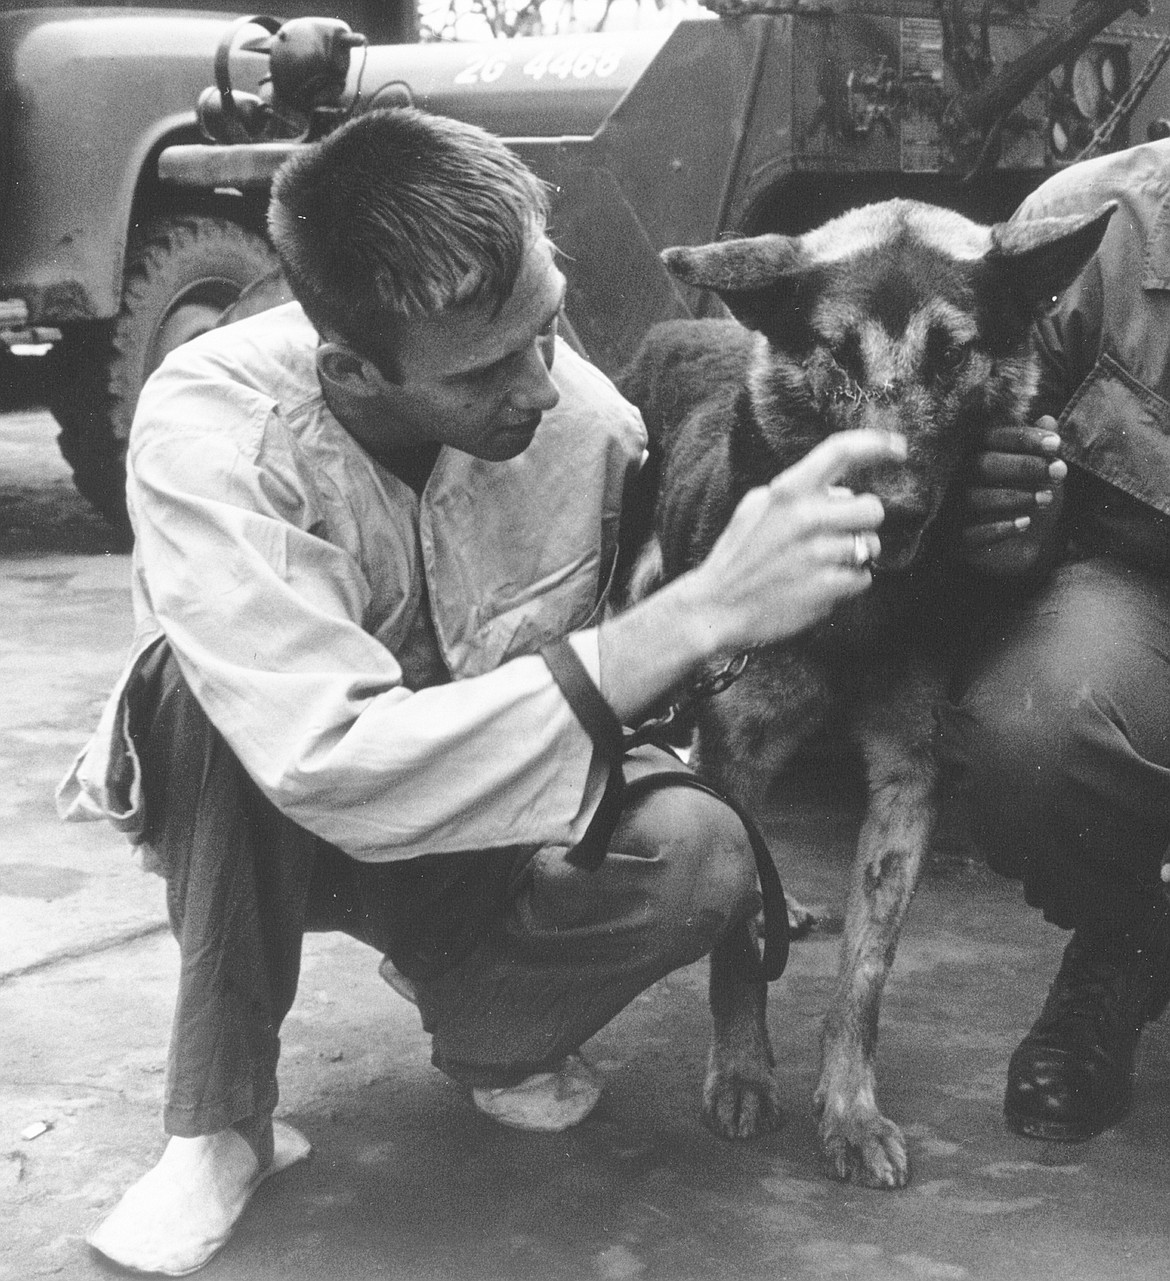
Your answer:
<point x="899" y="316"/>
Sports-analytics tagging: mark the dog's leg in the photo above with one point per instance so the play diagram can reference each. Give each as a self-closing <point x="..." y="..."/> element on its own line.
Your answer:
<point x="857" y="1141"/>
<point x="741" y="1096"/>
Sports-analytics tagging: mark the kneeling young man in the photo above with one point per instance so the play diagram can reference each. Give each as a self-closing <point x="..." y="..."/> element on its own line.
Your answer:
<point x="359" y="519"/>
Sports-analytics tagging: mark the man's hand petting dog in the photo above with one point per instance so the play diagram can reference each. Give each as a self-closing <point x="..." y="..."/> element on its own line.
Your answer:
<point x="1015" y="499"/>
<point x="787" y="556"/>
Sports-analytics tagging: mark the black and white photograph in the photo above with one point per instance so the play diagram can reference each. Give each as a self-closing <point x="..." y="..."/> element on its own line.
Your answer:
<point x="586" y="640"/>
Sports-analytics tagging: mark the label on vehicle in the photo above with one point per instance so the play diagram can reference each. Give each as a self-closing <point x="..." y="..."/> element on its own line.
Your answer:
<point x="562" y="64"/>
<point x="921" y="74"/>
<point x="922" y="49"/>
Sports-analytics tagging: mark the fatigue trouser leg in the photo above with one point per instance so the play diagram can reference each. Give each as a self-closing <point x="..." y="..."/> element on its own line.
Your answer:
<point x="1058" y="745"/>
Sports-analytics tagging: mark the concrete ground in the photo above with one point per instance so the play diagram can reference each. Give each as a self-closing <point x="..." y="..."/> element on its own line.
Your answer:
<point x="407" y="1181"/>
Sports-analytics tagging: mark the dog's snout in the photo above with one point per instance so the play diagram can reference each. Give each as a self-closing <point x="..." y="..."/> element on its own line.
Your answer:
<point x="894" y="483"/>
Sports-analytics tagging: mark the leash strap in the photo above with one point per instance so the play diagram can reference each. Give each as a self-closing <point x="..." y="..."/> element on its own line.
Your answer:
<point x="603" y="727"/>
<point x="612" y="741"/>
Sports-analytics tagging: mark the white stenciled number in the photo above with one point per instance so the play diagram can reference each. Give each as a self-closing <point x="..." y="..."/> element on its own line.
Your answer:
<point x="578" y="66"/>
<point x="561" y="66"/>
<point x="481" y="71"/>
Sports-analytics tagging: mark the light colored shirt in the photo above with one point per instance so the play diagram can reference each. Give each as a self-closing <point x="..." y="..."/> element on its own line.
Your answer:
<point x="369" y="655"/>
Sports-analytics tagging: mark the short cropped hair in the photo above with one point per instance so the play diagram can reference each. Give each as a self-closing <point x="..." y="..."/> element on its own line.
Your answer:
<point x="401" y="214"/>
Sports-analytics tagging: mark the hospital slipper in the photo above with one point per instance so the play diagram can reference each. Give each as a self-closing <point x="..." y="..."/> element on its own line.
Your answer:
<point x="546" y="1102"/>
<point x="398" y="981"/>
<point x="180" y="1214"/>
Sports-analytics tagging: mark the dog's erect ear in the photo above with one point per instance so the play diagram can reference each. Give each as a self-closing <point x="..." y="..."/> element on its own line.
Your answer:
<point x="1041" y="257"/>
<point x="749" y="274"/>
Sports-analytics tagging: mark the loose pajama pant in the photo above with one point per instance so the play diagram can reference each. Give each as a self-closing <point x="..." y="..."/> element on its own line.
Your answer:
<point x="517" y="956"/>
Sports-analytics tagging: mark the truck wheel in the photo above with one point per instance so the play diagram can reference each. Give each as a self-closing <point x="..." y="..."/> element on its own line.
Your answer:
<point x="182" y="272"/>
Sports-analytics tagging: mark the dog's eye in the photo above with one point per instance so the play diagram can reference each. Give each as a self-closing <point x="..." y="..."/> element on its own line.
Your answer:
<point x="944" y="355"/>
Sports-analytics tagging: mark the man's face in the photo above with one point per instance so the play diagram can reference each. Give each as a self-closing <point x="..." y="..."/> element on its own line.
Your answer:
<point x="477" y="382"/>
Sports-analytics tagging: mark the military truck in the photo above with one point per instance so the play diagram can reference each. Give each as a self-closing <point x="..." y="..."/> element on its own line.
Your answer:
<point x="96" y="257"/>
<point x="761" y="115"/>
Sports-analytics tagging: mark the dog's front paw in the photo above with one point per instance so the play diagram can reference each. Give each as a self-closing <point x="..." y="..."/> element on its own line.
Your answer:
<point x="740" y="1099"/>
<point x="859" y="1145"/>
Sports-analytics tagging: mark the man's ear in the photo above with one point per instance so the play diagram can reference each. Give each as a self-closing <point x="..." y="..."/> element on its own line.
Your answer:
<point x="348" y="370"/>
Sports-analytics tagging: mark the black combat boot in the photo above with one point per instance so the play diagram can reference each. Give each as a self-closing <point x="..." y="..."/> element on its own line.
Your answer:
<point x="1072" y="1076"/>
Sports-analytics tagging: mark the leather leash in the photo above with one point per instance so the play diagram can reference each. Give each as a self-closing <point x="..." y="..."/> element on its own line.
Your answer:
<point x="612" y="741"/>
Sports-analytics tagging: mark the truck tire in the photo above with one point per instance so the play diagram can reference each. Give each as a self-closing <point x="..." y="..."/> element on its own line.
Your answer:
<point x="182" y="272"/>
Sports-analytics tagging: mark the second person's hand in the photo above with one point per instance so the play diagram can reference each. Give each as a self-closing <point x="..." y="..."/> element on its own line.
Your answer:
<point x="1014" y="499"/>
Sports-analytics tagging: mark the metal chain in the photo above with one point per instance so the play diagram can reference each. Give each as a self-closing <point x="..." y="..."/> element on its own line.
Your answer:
<point x="1129" y="100"/>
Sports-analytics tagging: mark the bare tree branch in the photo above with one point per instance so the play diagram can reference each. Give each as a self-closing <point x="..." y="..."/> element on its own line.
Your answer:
<point x="504" y="19"/>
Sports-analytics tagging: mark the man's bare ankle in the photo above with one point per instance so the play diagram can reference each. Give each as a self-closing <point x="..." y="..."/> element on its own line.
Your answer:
<point x="256" y="1131"/>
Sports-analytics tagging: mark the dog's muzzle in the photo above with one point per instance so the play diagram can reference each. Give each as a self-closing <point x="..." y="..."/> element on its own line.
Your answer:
<point x="843" y="389"/>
